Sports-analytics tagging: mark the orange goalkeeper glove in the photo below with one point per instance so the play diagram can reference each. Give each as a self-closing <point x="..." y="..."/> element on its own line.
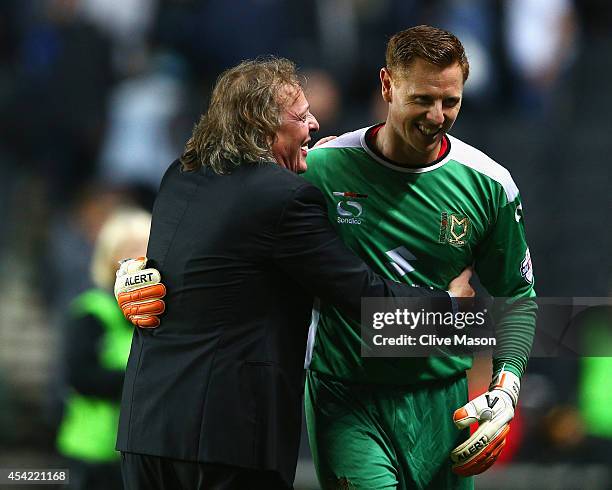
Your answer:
<point x="139" y="292"/>
<point x="493" y="410"/>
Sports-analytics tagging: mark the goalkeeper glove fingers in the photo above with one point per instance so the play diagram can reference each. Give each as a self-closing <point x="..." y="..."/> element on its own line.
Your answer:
<point x="139" y="292"/>
<point x="493" y="411"/>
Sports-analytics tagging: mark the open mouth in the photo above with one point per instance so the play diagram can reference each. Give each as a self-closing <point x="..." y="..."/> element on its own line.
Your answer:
<point x="427" y="131"/>
<point x="305" y="147"/>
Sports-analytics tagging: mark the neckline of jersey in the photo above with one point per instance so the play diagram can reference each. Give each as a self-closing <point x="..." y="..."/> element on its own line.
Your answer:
<point x="366" y="136"/>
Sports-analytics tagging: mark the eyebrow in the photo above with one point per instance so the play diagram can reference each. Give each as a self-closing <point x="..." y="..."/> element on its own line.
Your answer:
<point x="426" y="96"/>
<point x="302" y="114"/>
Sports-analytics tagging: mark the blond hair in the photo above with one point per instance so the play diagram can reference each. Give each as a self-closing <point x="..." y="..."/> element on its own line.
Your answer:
<point x="123" y="227"/>
<point x="243" y="116"/>
<point x="436" y="46"/>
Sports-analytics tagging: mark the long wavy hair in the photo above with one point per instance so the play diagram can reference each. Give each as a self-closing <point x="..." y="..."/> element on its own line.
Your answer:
<point x="243" y="116"/>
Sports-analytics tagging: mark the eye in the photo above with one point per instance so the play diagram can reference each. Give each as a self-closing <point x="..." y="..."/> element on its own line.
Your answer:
<point x="304" y="118"/>
<point x="452" y="102"/>
<point x="423" y="100"/>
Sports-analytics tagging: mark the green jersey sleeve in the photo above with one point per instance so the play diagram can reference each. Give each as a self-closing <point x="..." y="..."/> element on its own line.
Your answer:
<point x="503" y="264"/>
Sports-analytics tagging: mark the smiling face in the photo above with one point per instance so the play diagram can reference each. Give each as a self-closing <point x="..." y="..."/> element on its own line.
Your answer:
<point x="291" y="139"/>
<point x="424" y="101"/>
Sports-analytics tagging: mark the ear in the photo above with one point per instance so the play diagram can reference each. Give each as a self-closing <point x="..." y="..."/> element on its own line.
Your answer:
<point x="385" y="84"/>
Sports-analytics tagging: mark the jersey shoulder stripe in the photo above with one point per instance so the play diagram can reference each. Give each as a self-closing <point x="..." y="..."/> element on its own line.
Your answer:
<point x="475" y="159"/>
<point x="346" y="140"/>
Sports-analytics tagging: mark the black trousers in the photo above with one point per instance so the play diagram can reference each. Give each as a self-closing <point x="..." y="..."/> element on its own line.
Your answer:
<point x="89" y="476"/>
<point x="144" y="472"/>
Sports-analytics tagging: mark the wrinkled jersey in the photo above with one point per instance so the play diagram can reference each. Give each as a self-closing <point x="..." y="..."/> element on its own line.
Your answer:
<point x="421" y="226"/>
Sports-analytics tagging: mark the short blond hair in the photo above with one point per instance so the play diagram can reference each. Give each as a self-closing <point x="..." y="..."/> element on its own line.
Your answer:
<point x="244" y="114"/>
<point x="122" y="227"/>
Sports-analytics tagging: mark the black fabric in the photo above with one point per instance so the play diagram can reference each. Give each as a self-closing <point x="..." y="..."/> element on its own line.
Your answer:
<point x="141" y="472"/>
<point x="93" y="476"/>
<point x="81" y="343"/>
<point x="242" y="255"/>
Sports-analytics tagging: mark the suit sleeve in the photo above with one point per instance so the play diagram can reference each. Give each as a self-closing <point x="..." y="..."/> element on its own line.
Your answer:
<point x="308" y="249"/>
<point x="503" y="264"/>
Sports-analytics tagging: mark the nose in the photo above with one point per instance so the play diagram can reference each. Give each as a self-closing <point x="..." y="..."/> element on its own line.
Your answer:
<point x="436" y="113"/>
<point x="313" y="124"/>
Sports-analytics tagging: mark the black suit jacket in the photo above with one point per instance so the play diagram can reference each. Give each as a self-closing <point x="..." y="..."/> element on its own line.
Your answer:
<point x="242" y="255"/>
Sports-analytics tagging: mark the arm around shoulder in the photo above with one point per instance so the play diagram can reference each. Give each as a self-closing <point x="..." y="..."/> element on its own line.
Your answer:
<point x="309" y="250"/>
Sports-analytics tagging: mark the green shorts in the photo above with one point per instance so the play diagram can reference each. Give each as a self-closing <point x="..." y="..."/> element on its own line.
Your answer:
<point x="377" y="437"/>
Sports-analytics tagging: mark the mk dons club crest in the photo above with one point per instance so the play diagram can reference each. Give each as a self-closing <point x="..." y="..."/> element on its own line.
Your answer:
<point x="454" y="229"/>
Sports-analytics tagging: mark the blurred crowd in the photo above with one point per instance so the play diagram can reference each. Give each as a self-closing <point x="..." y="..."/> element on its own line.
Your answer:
<point x="97" y="97"/>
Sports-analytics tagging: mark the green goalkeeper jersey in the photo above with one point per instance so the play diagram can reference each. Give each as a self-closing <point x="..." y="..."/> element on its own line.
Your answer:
<point x="421" y="226"/>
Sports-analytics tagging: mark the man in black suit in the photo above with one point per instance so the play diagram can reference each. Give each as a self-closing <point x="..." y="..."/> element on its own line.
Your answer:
<point x="212" y="397"/>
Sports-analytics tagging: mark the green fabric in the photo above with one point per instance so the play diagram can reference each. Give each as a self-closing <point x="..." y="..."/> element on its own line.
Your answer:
<point x="115" y="347"/>
<point x="89" y="428"/>
<point x="366" y="437"/>
<point x="423" y="227"/>
<point x="594" y="394"/>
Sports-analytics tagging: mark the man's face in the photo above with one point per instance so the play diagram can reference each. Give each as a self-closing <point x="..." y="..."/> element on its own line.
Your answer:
<point x="424" y="102"/>
<point x="290" y="144"/>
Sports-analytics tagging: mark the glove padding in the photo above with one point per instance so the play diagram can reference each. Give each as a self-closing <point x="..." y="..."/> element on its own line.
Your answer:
<point x="138" y="291"/>
<point x="493" y="410"/>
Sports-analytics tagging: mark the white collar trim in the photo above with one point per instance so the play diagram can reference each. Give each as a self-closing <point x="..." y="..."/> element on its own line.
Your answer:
<point x="399" y="168"/>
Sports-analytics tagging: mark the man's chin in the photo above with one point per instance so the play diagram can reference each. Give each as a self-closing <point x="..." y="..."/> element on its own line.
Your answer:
<point x="301" y="165"/>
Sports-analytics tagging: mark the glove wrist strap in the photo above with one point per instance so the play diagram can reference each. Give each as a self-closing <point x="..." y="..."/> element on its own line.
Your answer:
<point x="509" y="383"/>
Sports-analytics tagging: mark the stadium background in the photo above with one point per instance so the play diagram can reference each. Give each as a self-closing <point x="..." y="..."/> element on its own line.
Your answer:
<point x="98" y="96"/>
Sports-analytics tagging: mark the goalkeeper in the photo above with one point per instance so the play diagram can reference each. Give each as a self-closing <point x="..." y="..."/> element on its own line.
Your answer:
<point x="418" y="205"/>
